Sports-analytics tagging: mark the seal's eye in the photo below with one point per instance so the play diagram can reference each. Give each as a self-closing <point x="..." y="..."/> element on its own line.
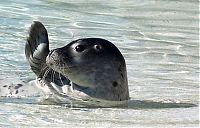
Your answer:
<point x="79" y="48"/>
<point x="98" y="47"/>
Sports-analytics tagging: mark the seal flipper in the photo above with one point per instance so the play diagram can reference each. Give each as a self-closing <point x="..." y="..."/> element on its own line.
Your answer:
<point x="36" y="50"/>
<point x="37" y="47"/>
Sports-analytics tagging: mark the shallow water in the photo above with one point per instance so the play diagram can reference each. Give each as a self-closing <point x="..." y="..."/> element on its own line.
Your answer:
<point x="159" y="40"/>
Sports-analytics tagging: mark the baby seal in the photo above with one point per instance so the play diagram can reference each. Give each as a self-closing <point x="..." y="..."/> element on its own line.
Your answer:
<point x="91" y="66"/>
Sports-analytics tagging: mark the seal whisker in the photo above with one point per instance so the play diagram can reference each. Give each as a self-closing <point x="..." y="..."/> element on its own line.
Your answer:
<point x="53" y="75"/>
<point x="62" y="67"/>
<point x="43" y="70"/>
<point x="59" y="74"/>
<point x="46" y="73"/>
<point x="52" y="71"/>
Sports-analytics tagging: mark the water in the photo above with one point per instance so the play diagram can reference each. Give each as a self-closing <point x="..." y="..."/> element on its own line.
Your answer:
<point x="159" y="40"/>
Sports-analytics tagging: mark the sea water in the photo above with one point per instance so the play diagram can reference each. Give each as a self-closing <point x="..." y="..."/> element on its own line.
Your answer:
<point x="159" y="40"/>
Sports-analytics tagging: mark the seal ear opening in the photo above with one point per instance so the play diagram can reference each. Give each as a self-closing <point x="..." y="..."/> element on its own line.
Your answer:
<point x="115" y="84"/>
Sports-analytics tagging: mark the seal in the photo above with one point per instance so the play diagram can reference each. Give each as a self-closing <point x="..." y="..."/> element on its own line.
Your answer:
<point x="90" y="66"/>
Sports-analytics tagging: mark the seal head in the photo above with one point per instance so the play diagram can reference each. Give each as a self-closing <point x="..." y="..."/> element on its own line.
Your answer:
<point x="93" y="65"/>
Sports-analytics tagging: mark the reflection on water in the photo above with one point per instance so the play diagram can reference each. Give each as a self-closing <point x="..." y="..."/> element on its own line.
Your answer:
<point x="137" y="104"/>
<point x="159" y="40"/>
<point x="131" y="104"/>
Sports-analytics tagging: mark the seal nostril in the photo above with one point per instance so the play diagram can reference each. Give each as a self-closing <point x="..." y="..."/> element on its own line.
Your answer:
<point x="51" y="52"/>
